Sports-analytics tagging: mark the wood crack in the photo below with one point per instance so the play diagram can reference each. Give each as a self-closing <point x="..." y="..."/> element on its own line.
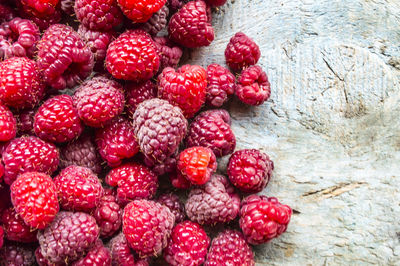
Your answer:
<point x="334" y="191"/>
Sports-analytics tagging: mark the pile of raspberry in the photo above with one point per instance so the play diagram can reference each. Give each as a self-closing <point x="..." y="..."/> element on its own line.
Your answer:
<point x="109" y="147"/>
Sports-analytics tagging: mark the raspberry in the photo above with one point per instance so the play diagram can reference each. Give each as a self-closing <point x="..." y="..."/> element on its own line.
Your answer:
<point x="174" y="204"/>
<point x="17" y="254"/>
<point x="157" y="22"/>
<point x="57" y="120"/>
<point x="41" y="8"/>
<point x="241" y="52"/>
<point x="117" y="141"/>
<point x="185" y="88"/>
<point x="134" y="181"/>
<point x="188" y="245"/>
<point x="108" y="215"/>
<point x="147" y="226"/>
<point x="165" y="167"/>
<point x="133" y="56"/>
<point x="15" y="228"/>
<point x="215" y="3"/>
<point x="99" y="100"/>
<point x="63" y="57"/>
<point x="67" y="6"/>
<point x="179" y="181"/>
<point x="18" y="37"/>
<point x="140" y="10"/>
<point x="175" y="5"/>
<point x="211" y="129"/>
<point x="25" y="119"/>
<point x="98" y="255"/>
<point x="6" y="13"/>
<point x="34" y="197"/>
<point x="170" y="54"/>
<point x="253" y="86"/>
<point x="197" y="164"/>
<point x="191" y="25"/>
<point x="1" y="170"/>
<point x="250" y="170"/>
<point x="68" y="237"/>
<point x="220" y="85"/>
<point x="29" y="154"/>
<point x="78" y="189"/>
<point x="215" y="202"/>
<point x="121" y="253"/>
<point x="101" y="15"/>
<point x="1" y="237"/>
<point x="8" y="124"/>
<point x="5" y="198"/>
<point x="262" y="218"/>
<point x="136" y="93"/>
<point x="20" y="83"/>
<point x="160" y="128"/>
<point x="230" y="248"/>
<point x="43" y="22"/>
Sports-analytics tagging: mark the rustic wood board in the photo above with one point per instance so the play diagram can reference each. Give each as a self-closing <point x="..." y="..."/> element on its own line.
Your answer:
<point x="331" y="126"/>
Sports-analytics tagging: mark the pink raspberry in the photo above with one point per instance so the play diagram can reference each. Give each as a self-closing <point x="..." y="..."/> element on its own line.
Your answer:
<point x="157" y="22"/>
<point x="15" y="228"/>
<point x="241" y="52"/>
<point x="17" y="254"/>
<point x="253" y="86"/>
<point x="108" y="215"/>
<point x="98" y="255"/>
<point x="122" y="254"/>
<point x="43" y="22"/>
<point x="174" y="204"/>
<point x="170" y="54"/>
<point x="8" y="124"/>
<point x="136" y="93"/>
<point x="220" y="85"/>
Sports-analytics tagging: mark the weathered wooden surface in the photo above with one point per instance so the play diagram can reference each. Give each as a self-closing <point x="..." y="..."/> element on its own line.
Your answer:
<point x="331" y="126"/>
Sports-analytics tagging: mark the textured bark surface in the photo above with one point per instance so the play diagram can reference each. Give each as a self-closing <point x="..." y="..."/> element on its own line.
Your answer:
<point x="331" y="126"/>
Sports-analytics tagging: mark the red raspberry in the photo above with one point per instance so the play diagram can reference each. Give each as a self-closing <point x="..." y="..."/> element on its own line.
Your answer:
<point x="122" y="254"/>
<point x="108" y="215"/>
<point x="263" y="218"/>
<point x="101" y="15"/>
<point x="230" y="248"/>
<point x="220" y="85"/>
<point x="99" y="100"/>
<point x="17" y="254"/>
<point x="43" y="22"/>
<point x="98" y="256"/>
<point x="6" y="13"/>
<point x="241" y="52"/>
<point x="57" y="120"/>
<point x="161" y="168"/>
<point x="34" y="197"/>
<point x="157" y="22"/>
<point x="78" y="189"/>
<point x="253" y="86"/>
<point x="63" y="57"/>
<point x="1" y="236"/>
<point x="174" y="204"/>
<point x="15" y="228"/>
<point x="134" y="181"/>
<point x="140" y="10"/>
<point x="117" y="141"/>
<point x="8" y="124"/>
<point x="67" y="6"/>
<point x="187" y="246"/>
<point x="250" y="170"/>
<point x="147" y="226"/>
<point x="197" y="164"/>
<point x="212" y="129"/>
<point x="25" y="119"/>
<point x="170" y="54"/>
<point x="133" y="56"/>
<point x="1" y="170"/>
<point x="20" y="83"/>
<point x="18" y="37"/>
<point x="215" y="3"/>
<point x="191" y="25"/>
<point x="179" y="181"/>
<point x="185" y="87"/>
<point x="215" y="202"/>
<point x="29" y="154"/>
<point x="136" y="93"/>
<point x="41" y="8"/>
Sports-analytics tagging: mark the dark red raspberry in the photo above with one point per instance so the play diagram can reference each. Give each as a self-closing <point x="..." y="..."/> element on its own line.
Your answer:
<point x="67" y="6"/>
<point x="42" y="8"/>
<point x="157" y="22"/>
<point x="34" y="197"/>
<point x="134" y="181"/>
<point x="43" y="22"/>
<point x="78" y="188"/>
<point x="161" y="168"/>
<point x="27" y="154"/>
<point x="215" y="3"/>
<point x="108" y="215"/>
<point x="253" y="86"/>
<point x="8" y="124"/>
<point x="57" y="120"/>
<point x="220" y="85"/>
<point x="133" y="56"/>
<point x="5" y="198"/>
<point x="241" y="52"/>
<point x="212" y="129"/>
<point x="140" y="10"/>
<point x="174" y="204"/>
<point x="20" y="83"/>
<point x="97" y="256"/>
<point x="160" y="128"/>
<point x="18" y="37"/>
<point x="63" y="57"/>
<point x="263" y="218"/>
<point x="25" y="119"/>
<point x="1" y="236"/>
<point x="117" y="141"/>
<point x="175" y="5"/>
<point x="179" y="181"/>
<point x="188" y="245"/>
<point x="185" y="88"/>
<point x="147" y="226"/>
<point x="81" y="152"/>
<point x="215" y="202"/>
<point x="101" y="15"/>
<point x="17" y="254"/>
<point x="68" y="237"/>
<point x="99" y="100"/>
<point x="6" y="13"/>
<point x="197" y="164"/>
<point x="136" y="93"/>
<point x="170" y="54"/>
<point x="121" y="253"/>
<point x="250" y="170"/>
<point x="230" y="248"/>
<point x="191" y="25"/>
<point x="15" y="228"/>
